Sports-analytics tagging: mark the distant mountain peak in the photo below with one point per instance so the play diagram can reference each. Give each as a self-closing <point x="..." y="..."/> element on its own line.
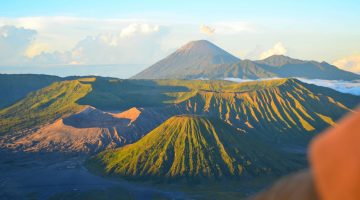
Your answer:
<point x="201" y="48"/>
<point x="201" y="59"/>
<point x="279" y="60"/>
<point x="193" y="58"/>
<point x="196" y="43"/>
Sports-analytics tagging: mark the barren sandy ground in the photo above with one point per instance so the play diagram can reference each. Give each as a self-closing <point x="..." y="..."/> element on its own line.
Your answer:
<point x="29" y="176"/>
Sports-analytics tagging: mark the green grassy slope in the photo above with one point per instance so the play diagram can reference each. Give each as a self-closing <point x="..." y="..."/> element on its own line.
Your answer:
<point x="116" y="94"/>
<point x="280" y="104"/>
<point x="283" y="105"/>
<point x="43" y="106"/>
<point x="194" y="148"/>
<point x="229" y="130"/>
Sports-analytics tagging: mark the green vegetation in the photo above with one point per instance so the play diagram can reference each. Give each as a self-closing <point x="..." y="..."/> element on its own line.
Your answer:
<point x="274" y="106"/>
<point x="280" y="105"/>
<point x="217" y="129"/>
<point x="234" y="130"/>
<point x="116" y="94"/>
<point x="193" y="148"/>
<point x="43" y="106"/>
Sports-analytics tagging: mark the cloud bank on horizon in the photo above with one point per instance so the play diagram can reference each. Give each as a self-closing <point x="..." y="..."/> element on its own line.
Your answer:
<point x="14" y="43"/>
<point x="350" y="87"/>
<point x="133" y="44"/>
<point x="349" y="63"/>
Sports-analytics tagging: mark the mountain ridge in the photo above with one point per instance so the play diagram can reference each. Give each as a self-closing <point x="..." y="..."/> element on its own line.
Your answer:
<point x="279" y="60"/>
<point x="280" y="110"/>
<point x="194" y="61"/>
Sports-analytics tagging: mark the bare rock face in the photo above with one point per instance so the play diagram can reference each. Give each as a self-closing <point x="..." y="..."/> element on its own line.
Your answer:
<point x="62" y="137"/>
<point x="89" y="131"/>
<point x="132" y="114"/>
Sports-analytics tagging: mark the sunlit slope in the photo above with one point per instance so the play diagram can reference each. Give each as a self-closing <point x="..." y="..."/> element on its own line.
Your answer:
<point x="279" y="105"/>
<point x="43" y="106"/>
<point x="192" y="147"/>
<point x="115" y="94"/>
<point x="276" y="105"/>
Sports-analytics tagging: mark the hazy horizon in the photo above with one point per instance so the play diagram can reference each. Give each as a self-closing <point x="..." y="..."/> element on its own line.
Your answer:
<point x="53" y="33"/>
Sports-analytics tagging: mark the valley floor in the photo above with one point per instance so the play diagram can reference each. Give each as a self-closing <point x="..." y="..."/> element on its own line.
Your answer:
<point x="44" y="176"/>
<point x="54" y="176"/>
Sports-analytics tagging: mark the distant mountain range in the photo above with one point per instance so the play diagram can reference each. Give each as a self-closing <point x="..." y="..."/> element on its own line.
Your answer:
<point x="202" y="59"/>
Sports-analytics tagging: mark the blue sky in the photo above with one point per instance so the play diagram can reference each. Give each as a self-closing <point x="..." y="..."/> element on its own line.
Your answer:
<point x="65" y="32"/>
<point x="200" y="9"/>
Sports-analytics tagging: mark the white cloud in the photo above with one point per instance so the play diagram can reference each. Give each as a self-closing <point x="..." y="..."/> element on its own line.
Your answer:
<point x="277" y="49"/>
<point x="61" y="33"/>
<point x="349" y="63"/>
<point x="350" y="87"/>
<point x="53" y="58"/>
<point x="14" y="43"/>
<point x="36" y="48"/>
<point x="232" y="27"/>
<point x="207" y="29"/>
<point x="136" y="28"/>
<point x="68" y="36"/>
<point x="226" y="28"/>
<point x="134" y="44"/>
